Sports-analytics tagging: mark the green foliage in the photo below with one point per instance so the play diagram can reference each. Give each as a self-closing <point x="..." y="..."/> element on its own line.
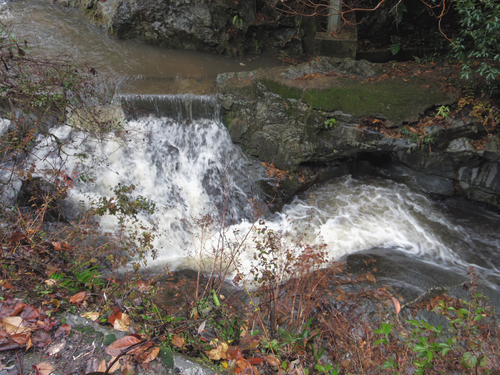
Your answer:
<point x="237" y="21"/>
<point x="443" y="111"/>
<point x="431" y="344"/>
<point x="331" y="122"/>
<point x="478" y="37"/>
<point x="395" y="46"/>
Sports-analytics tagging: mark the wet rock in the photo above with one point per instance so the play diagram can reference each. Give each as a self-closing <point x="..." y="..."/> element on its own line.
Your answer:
<point x="221" y="26"/>
<point x="325" y="65"/>
<point x="298" y="125"/>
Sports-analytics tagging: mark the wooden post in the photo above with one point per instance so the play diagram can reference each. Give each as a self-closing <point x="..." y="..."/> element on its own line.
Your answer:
<point x="334" y="17"/>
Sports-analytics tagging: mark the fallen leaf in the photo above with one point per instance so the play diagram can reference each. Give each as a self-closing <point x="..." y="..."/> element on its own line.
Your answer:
<point x="6" y="310"/>
<point x="43" y="368"/>
<point x="243" y="364"/>
<point x="234" y="352"/>
<point x="122" y="324"/>
<point x="120" y="345"/>
<point x="116" y="366"/>
<point x="16" y="237"/>
<point x="178" y="341"/>
<point x="397" y="305"/>
<point x="117" y="314"/>
<point x="201" y="328"/>
<point x="30" y="313"/>
<point x="78" y="298"/>
<point x="255" y="361"/>
<point x="150" y="355"/>
<point x="56" y="348"/>
<point x="272" y="360"/>
<point x="57" y="246"/>
<point x="14" y="325"/>
<point x="102" y="366"/>
<point x="370" y="277"/>
<point x="218" y="353"/>
<point x="63" y="330"/>
<point x="5" y="284"/>
<point x="91" y="315"/>
<point x="249" y="342"/>
<point x="20" y="339"/>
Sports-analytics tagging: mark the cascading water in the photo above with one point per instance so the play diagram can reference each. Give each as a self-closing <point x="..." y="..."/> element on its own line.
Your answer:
<point x="188" y="168"/>
<point x="183" y="162"/>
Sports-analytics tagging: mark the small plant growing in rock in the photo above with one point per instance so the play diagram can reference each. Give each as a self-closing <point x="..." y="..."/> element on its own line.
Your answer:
<point x="444" y="112"/>
<point x="331" y="122"/>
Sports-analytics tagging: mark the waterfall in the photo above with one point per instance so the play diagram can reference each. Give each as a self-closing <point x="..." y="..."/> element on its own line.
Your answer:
<point x="178" y="153"/>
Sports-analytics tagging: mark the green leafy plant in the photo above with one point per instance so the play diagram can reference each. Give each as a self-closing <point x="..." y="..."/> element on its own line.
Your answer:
<point x="237" y="21"/>
<point x="476" y="45"/>
<point x="331" y="122"/>
<point x="443" y="111"/>
<point x="395" y="46"/>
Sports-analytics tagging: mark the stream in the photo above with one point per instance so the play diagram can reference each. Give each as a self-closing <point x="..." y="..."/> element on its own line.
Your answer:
<point x="183" y="159"/>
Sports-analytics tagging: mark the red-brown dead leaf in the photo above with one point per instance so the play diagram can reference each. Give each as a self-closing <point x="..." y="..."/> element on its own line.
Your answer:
<point x="255" y="361"/>
<point x="139" y="351"/>
<point x="249" y="342"/>
<point x="63" y="330"/>
<point x="120" y="345"/>
<point x="30" y="314"/>
<point x="16" y="237"/>
<point x="234" y="352"/>
<point x="178" y="341"/>
<point x="117" y="314"/>
<point x="57" y="246"/>
<point x="397" y="305"/>
<point x="78" y="298"/>
<point x="5" y="284"/>
<point x="20" y="339"/>
<point x="43" y="368"/>
<point x="149" y="355"/>
<point x="272" y="360"/>
<point x="6" y="310"/>
<point x="243" y="364"/>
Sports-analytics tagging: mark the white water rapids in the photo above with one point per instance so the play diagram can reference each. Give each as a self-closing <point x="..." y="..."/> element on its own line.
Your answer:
<point x="183" y="167"/>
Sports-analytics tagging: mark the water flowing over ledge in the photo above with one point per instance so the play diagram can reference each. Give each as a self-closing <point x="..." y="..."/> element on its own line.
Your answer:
<point x="178" y="107"/>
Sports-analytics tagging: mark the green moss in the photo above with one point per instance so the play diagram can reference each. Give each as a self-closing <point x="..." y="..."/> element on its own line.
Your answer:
<point x="226" y="120"/>
<point x="282" y="90"/>
<point x="109" y="339"/>
<point x="167" y="357"/>
<point x="392" y="98"/>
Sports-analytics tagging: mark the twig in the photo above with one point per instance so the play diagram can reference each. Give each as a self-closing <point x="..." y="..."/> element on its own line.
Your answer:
<point x="19" y="364"/>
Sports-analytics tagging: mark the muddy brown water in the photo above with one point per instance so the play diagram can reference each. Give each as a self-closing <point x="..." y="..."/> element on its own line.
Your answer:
<point x="53" y="30"/>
